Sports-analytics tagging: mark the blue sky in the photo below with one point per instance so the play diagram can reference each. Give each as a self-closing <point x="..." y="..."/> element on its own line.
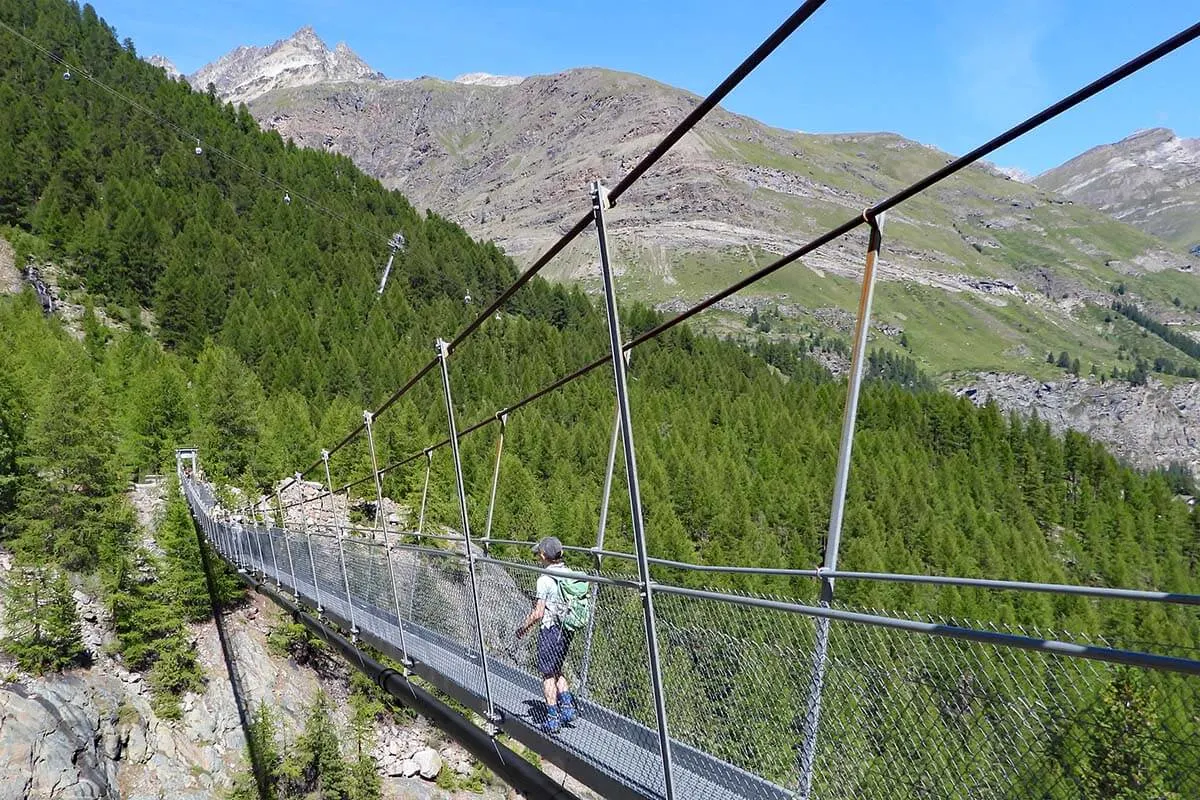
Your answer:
<point x="951" y="73"/>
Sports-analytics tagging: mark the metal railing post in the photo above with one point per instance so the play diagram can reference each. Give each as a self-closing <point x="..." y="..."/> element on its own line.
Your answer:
<point x="599" y="202"/>
<point x="487" y="530"/>
<point x="312" y="562"/>
<point x="585" y="667"/>
<point x="256" y="540"/>
<point x="368" y="421"/>
<point x="243" y="541"/>
<point x="812" y="717"/>
<point x="271" y="544"/>
<point x="425" y="493"/>
<point x="287" y="544"/>
<point x="341" y="542"/>
<point x="443" y="350"/>
<point x="412" y="587"/>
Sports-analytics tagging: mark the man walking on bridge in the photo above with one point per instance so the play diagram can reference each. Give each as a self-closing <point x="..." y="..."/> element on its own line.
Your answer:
<point x="550" y="608"/>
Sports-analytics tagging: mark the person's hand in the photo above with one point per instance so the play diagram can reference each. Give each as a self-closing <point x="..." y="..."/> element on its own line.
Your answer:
<point x="521" y="632"/>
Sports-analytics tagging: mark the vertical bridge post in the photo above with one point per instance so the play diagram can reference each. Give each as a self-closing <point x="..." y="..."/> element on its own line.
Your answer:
<point x="443" y="350"/>
<point x="600" y="531"/>
<point x="599" y="203"/>
<point x="412" y="586"/>
<point x="270" y="541"/>
<point x="487" y="531"/>
<point x="368" y="421"/>
<point x="340" y="540"/>
<point x="255" y="539"/>
<point x="312" y="562"/>
<point x="812" y="718"/>
<point x="287" y="543"/>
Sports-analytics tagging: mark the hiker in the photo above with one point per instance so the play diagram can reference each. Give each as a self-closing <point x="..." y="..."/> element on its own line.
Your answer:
<point x="553" y="609"/>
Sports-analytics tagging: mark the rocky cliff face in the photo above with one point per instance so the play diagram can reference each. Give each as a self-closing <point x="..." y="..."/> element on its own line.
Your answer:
<point x="1149" y="426"/>
<point x="300" y="60"/>
<point x="1150" y="179"/>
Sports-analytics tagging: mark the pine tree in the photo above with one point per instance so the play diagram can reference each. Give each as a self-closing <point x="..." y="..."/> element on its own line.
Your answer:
<point x="1123" y="759"/>
<point x="12" y="442"/>
<point x="316" y="764"/>
<point x="43" y="628"/>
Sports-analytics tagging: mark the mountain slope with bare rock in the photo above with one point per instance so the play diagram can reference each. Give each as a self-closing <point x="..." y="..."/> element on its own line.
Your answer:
<point x="982" y="273"/>
<point x="1150" y="179"/>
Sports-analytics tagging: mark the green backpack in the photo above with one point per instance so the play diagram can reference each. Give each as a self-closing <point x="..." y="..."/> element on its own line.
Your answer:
<point x="575" y="596"/>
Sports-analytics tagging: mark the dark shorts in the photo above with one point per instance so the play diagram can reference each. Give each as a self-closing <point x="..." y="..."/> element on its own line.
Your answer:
<point x="552" y="645"/>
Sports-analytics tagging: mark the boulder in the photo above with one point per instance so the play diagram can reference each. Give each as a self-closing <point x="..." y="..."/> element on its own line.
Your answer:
<point x="429" y="762"/>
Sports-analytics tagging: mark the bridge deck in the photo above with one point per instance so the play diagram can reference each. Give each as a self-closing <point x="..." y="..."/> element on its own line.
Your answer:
<point x="622" y="750"/>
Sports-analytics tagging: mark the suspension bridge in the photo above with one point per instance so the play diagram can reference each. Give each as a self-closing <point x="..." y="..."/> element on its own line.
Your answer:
<point x="684" y="692"/>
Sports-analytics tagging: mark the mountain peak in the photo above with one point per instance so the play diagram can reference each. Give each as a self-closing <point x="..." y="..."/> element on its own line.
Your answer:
<point x="303" y="58"/>
<point x="164" y="63"/>
<point x="307" y="36"/>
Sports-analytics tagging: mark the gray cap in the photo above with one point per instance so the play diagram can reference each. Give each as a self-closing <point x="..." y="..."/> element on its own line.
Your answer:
<point x="550" y="547"/>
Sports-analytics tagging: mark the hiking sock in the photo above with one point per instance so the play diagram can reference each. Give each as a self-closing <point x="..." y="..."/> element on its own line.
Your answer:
<point x="553" y="723"/>
<point x="566" y="706"/>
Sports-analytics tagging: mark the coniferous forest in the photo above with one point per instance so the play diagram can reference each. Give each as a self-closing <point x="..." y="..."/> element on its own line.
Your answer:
<point x="243" y="272"/>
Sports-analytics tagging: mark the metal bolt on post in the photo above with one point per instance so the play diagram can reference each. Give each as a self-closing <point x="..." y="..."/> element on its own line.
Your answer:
<point x="599" y="203"/>
<point x="368" y="420"/>
<point x="341" y="544"/>
<point x="443" y="350"/>
<point x="812" y="718"/>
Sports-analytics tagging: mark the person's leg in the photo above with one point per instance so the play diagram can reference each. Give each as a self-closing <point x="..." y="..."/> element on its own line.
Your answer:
<point x="547" y="664"/>
<point x="566" y="700"/>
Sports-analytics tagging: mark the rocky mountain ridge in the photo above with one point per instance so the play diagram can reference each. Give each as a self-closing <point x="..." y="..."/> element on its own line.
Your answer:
<point x="1150" y="179"/>
<point x="302" y="59"/>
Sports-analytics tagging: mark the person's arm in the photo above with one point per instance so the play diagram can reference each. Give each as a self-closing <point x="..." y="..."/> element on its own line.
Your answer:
<point x="535" y="616"/>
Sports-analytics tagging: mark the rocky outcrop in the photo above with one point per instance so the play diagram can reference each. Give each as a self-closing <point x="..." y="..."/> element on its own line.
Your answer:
<point x="300" y="60"/>
<point x="1150" y="426"/>
<point x="486" y="79"/>
<point x="59" y="740"/>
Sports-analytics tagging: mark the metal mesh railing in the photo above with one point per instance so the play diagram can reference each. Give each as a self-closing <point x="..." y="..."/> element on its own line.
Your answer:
<point x="904" y="714"/>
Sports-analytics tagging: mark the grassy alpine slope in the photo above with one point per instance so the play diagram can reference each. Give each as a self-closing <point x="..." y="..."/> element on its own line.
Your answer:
<point x="981" y="273"/>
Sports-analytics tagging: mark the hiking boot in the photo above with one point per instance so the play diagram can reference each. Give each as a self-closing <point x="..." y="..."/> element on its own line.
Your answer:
<point x="566" y="707"/>
<point x="552" y="723"/>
